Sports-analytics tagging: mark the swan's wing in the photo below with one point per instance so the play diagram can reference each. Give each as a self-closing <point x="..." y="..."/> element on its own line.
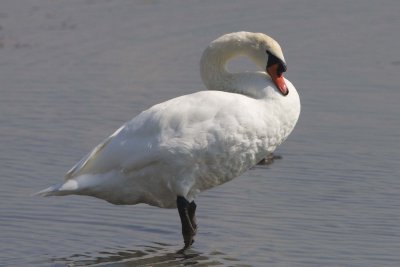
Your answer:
<point x="86" y="160"/>
<point x="138" y="142"/>
<point x="129" y="143"/>
<point x="174" y="132"/>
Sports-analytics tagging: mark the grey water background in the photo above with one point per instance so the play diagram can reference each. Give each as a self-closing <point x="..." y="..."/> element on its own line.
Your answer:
<point x="71" y="72"/>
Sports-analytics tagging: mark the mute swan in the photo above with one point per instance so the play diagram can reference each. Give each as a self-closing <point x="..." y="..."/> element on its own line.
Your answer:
<point x="169" y="153"/>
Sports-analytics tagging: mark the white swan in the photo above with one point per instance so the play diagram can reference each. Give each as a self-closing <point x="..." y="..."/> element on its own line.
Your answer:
<point x="169" y="153"/>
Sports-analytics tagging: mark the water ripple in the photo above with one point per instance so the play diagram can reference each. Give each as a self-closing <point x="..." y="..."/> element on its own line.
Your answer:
<point x="157" y="254"/>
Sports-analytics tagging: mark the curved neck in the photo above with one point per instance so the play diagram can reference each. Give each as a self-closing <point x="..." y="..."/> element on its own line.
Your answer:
<point x="215" y="76"/>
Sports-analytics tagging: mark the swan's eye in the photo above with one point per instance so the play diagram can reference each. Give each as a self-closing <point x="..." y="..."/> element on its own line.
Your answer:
<point x="275" y="60"/>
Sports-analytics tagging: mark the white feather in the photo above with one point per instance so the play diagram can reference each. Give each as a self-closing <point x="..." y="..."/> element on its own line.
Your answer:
<point x="194" y="142"/>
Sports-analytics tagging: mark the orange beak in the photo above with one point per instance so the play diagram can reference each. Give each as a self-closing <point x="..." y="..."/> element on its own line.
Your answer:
<point x="277" y="78"/>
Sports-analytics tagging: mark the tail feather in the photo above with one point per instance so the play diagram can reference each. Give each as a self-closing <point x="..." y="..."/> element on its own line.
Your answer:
<point x="69" y="187"/>
<point x="50" y="191"/>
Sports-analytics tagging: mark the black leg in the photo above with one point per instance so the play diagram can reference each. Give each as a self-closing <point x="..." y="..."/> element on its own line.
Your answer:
<point x="186" y="213"/>
<point x="192" y="215"/>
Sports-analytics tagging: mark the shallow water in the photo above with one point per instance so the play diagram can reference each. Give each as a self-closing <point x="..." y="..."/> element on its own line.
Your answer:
<point x="73" y="71"/>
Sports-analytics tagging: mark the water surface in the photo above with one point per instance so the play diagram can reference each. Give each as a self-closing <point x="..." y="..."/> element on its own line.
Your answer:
<point x="73" y="71"/>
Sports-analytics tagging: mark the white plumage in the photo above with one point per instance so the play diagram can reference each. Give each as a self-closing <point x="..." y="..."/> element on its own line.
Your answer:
<point x="193" y="142"/>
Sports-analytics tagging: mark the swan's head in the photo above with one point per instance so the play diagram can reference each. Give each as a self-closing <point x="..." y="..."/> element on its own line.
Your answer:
<point x="262" y="49"/>
<point x="268" y="54"/>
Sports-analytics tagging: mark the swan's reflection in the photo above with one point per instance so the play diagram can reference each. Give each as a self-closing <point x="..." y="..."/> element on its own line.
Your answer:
<point x="158" y="254"/>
